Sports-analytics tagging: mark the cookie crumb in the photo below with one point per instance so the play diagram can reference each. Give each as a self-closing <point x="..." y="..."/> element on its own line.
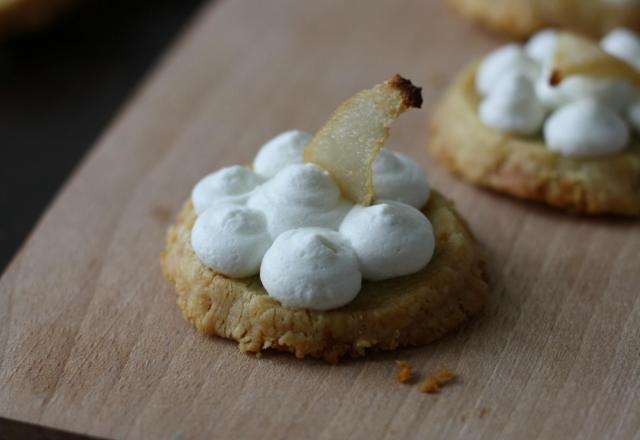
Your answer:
<point x="404" y="372"/>
<point x="483" y="412"/>
<point x="433" y="383"/>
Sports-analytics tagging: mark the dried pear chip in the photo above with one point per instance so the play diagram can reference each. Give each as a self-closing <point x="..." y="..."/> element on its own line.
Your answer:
<point x="351" y="139"/>
<point x="577" y="55"/>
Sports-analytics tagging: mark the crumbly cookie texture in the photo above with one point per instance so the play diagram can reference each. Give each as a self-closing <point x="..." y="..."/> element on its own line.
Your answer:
<point x="522" y="18"/>
<point x="524" y="167"/>
<point x="410" y="310"/>
<point x="404" y="372"/>
<point x="433" y="383"/>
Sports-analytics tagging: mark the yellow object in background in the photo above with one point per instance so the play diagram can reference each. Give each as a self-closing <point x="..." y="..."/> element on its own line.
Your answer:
<point x="29" y="15"/>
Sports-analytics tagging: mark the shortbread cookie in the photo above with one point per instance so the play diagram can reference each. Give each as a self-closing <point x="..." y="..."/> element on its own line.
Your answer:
<point x="523" y="166"/>
<point x="521" y="18"/>
<point x="410" y="310"/>
<point x="433" y="383"/>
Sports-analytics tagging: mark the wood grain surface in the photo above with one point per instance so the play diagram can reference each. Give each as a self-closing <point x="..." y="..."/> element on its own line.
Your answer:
<point x="91" y="340"/>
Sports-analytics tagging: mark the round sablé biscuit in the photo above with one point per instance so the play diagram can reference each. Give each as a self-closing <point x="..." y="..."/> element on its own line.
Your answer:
<point x="404" y="311"/>
<point x="522" y="18"/>
<point x="524" y="167"/>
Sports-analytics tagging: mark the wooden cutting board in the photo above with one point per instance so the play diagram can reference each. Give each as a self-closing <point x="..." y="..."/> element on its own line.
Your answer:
<point x="91" y="340"/>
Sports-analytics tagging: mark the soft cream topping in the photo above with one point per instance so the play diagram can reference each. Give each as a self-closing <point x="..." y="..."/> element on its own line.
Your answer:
<point x="310" y="264"/>
<point x="398" y="177"/>
<point x="541" y="46"/>
<point x="586" y="128"/>
<point x="615" y="93"/>
<point x="229" y="185"/>
<point x="624" y="44"/>
<point x="312" y="268"/>
<point x="298" y="196"/>
<point x="508" y="59"/>
<point x="512" y="106"/>
<point x="391" y="239"/>
<point x="231" y="239"/>
<point x="283" y="150"/>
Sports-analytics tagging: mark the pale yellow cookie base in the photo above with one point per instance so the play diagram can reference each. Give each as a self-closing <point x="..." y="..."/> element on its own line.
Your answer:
<point x="524" y="167"/>
<point x="410" y="310"/>
<point x="521" y="18"/>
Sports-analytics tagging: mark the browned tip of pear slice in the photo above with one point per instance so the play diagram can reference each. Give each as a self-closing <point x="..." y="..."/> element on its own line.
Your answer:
<point x="351" y="139"/>
<point x="411" y="95"/>
<point x="578" y="55"/>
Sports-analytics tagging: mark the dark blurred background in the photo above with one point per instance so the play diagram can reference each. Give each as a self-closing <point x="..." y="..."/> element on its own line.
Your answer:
<point x="60" y="86"/>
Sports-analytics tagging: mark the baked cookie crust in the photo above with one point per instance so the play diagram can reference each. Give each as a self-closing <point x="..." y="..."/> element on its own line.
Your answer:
<point x="521" y="18"/>
<point x="410" y="310"/>
<point x="524" y="167"/>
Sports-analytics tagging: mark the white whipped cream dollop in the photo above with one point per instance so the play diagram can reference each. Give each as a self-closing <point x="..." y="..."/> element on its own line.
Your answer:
<point x="312" y="268"/>
<point x="231" y="239"/>
<point x="512" y="106"/>
<point x="508" y="59"/>
<point x="541" y="46"/>
<point x="283" y="150"/>
<point x="298" y="196"/>
<point x="391" y="239"/>
<point x="229" y="185"/>
<point x="398" y="177"/>
<point x="624" y="44"/>
<point x="586" y="128"/>
<point x="616" y="94"/>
